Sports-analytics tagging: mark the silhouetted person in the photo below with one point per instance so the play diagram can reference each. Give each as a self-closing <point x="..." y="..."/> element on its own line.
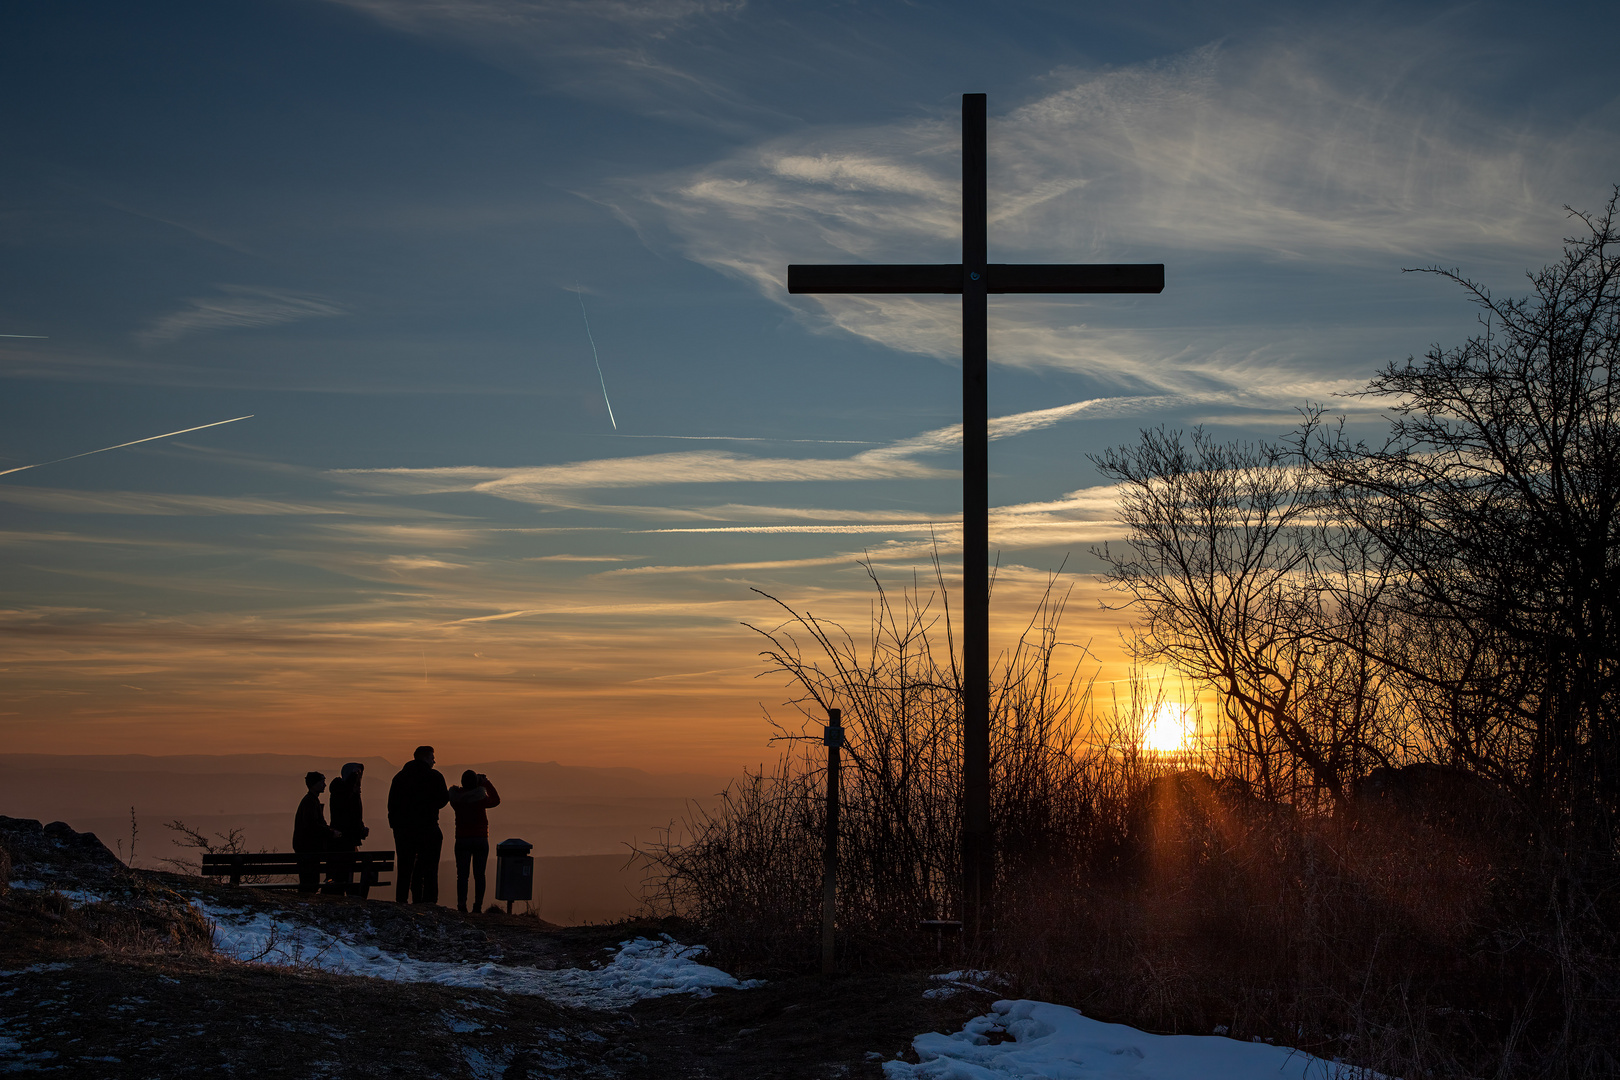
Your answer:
<point x="348" y="822"/>
<point x="471" y="801"/>
<point x="414" y="801"/>
<point x="311" y="834"/>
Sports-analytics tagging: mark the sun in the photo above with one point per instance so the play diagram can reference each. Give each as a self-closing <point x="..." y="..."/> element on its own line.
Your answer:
<point x="1170" y="730"/>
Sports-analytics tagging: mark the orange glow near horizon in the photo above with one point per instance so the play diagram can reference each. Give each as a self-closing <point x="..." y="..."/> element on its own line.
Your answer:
<point x="661" y="684"/>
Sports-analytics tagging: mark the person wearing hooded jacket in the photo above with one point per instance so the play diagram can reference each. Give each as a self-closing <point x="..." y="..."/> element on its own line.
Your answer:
<point x="415" y="798"/>
<point x="348" y="822"/>
<point x="471" y="801"/>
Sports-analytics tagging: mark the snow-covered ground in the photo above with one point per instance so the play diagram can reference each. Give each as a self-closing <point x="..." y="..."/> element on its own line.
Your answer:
<point x="1053" y="1042"/>
<point x="642" y="968"/>
<point x="78" y="896"/>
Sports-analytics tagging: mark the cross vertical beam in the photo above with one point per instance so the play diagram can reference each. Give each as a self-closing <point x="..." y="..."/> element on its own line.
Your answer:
<point x="976" y="278"/>
<point x="977" y="861"/>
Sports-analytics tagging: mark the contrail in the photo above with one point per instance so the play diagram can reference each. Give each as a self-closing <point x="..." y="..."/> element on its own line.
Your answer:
<point x="132" y="442"/>
<point x="36" y="337"/>
<point x="581" y="294"/>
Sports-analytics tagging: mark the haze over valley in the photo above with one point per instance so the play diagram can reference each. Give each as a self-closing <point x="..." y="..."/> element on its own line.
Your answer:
<point x="580" y="819"/>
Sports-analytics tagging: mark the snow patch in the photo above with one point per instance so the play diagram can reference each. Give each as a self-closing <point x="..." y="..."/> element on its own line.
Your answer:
<point x="642" y="968"/>
<point x="967" y="979"/>
<point x="1033" y="1040"/>
<point x="77" y="896"/>
<point x="486" y="1066"/>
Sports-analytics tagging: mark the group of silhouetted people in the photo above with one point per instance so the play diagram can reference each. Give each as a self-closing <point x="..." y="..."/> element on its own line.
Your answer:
<point x="415" y="798"/>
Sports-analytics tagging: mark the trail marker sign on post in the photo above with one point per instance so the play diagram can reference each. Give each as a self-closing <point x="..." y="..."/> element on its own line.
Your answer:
<point x="975" y="277"/>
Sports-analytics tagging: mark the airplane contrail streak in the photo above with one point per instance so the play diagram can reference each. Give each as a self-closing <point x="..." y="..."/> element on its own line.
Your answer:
<point x="36" y="337"/>
<point x="588" y="336"/>
<point x="132" y="442"/>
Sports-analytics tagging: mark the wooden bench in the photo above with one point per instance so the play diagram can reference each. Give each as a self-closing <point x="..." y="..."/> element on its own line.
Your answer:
<point x="364" y="867"/>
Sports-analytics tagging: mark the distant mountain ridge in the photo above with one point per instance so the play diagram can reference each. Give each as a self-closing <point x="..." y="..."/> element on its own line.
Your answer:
<point x="526" y="779"/>
<point x="186" y="764"/>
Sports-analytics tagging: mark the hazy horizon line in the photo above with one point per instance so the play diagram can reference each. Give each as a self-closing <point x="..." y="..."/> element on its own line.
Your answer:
<point x="8" y="757"/>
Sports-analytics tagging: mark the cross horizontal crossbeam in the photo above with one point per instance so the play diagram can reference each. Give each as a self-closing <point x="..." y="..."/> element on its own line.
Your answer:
<point x="999" y="278"/>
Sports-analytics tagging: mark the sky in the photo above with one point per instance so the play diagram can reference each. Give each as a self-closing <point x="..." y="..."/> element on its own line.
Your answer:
<point x="428" y="244"/>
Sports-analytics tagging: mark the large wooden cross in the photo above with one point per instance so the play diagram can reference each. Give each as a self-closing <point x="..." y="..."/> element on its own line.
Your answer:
<point x="976" y="278"/>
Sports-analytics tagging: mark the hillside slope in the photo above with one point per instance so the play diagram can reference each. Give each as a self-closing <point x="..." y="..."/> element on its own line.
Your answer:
<point x="106" y="972"/>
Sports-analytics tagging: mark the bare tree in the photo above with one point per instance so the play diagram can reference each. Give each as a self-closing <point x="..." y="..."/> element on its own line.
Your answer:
<point x="1495" y="501"/>
<point x="1242" y="588"/>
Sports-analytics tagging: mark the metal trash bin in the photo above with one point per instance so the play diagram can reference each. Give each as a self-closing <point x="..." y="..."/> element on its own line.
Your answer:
<point x="514" y="871"/>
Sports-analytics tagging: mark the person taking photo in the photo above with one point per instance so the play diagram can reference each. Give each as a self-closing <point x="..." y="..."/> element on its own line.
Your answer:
<point x="471" y="800"/>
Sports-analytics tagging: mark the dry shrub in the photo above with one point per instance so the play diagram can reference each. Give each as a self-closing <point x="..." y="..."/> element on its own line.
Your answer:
<point x="146" y="919"/>
<point x="135" y="918"/>
<point x="1228" y="913"/>
<point x="751" y="874"/>
<point x="1413" y="943"/>
<point x="751" y="870"/>
<point x="1419" y="928"/>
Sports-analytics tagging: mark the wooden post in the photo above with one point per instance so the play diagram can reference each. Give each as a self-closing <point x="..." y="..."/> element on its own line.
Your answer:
<point x="834" y="738"/>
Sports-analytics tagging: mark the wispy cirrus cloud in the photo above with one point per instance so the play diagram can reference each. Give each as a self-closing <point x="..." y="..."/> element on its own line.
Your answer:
<point x="948" y="438"/>
<point x="416" y="563"/>
<point x="56" y="538"/>
<point x="891" y="552"/>
<point x="1090" y="513"/>
<point x="752" y="512"/>
<point x="566" y="558"/>
<point x="1337" y="146"/>
<point x="943" y="526"/>
<point x="1311" y="148"/>
<point x="241" y="307"/>
<point x="168" y="504"/>
<point x="563" y="485"/>
<point x="432" y="536"/>
<point x="543" y="483"/>
<point x="1081" y="517"/>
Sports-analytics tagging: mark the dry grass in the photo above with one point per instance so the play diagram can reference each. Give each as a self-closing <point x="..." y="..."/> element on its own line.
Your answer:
<point x="142" y="920"/>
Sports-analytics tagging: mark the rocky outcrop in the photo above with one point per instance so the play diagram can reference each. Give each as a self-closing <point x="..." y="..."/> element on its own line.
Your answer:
<point x="56" y="851"/>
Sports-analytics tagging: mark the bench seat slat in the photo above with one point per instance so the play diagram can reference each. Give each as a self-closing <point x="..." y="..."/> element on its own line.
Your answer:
<point x="266" y="861"/>
<point x="364" y="868"/>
